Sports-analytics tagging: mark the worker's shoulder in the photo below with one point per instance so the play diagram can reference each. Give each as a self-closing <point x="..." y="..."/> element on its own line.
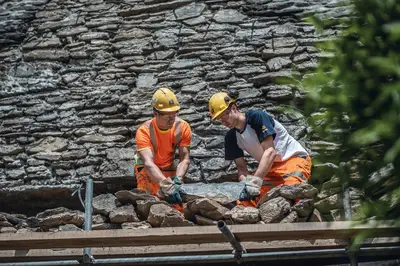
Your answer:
<point x="146" y="123"/>
<point x="254" y="117"/>
<point x="184" y="123"/>
<point x="256" y="113"/>
<point x="144" y="127"/>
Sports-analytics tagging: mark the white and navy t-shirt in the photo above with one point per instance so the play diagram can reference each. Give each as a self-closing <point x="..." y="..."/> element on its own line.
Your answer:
<point x="259" y="125"/>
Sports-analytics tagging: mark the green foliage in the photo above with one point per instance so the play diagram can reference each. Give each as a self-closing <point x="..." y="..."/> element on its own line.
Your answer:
<point x="354" y="100"/>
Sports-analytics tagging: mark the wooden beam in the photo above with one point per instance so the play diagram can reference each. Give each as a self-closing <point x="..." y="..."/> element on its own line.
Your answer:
<point x="190" y="235"/>
<point x="165" y="250"/>
<point x="184" y="250"/>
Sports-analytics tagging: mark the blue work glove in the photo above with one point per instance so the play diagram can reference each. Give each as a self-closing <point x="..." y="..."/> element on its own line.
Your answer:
<point x="177" y="180"/>
<point x="244" y="195"/>
<point x="174" y="198"/>
<point x="170" y="191"/>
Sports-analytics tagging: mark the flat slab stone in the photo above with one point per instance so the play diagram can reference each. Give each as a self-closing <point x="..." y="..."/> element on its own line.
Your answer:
<point x="277" y="63"/>
<point x="146" y="80"/>
<point x="49" y="144"/>
<point x="207" y="208"/>
<point x="141" y="9"/>
<point x="330" y="203"/>
<point x="72" y="32"/>
<point x="48" y="156"/>
<point x="274" y="210"/>
<point x="269" y="78"/>
<point x="70" y="217"/>
<point x="175" y="220"/>
<point x="291" y="218"/>
<point x="229" y="16"/>
<point x="6" y="150"/>
<point x="123" y="214"/>
<point x="15" y="174"/>
<point x="195" y="21"/>
<point x="136" y="225"/>
<point x="143" y="206"/>
<point x="126" y="196"/>
<point x="189" y="11"/>
<point x="223" y="193"/>
<point x="99" y="139"/>
<point x="243" y="215"/>
<point x="304" y="207"/>
<point x="55" y="55"/>
<point x="158" y="212"/>
<point x="301" y="190"/>
<point x="185" y="63"/>
<point x="105" y="203"/>
<point x="43" y="44"/>
<point x="117" y="154"/>
<point x="131" y="34"/>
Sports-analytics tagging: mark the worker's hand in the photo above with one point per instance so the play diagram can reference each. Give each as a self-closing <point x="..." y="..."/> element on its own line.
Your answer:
<point x="253" y="184"/>
<point x="177" y="180"/>
<point x="170" y="191"/>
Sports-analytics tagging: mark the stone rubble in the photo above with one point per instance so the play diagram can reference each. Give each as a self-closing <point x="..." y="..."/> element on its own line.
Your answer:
<point x="146" y="211"/>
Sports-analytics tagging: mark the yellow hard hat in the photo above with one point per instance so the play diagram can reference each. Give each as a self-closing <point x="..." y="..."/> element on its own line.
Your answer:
<point x="218" y="103"/>
<point x="164" y="100"/>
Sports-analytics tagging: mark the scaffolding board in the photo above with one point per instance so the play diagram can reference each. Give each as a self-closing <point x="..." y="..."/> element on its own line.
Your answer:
<point x="192" y="235"/>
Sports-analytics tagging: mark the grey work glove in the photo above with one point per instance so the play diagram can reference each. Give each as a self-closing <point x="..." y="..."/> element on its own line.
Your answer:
<point x="253" y="184"/>
<point x="170" y="191"/>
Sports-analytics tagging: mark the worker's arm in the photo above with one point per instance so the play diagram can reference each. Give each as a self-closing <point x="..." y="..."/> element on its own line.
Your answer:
<point x="241" y="166"/>
<point x="151" y="168"/>
<point x="267" y="158"/>
<point x="184" y="161"/>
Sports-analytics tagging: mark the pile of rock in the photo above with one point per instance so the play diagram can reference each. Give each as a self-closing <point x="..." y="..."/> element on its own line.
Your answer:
<point x="136" y="209"/>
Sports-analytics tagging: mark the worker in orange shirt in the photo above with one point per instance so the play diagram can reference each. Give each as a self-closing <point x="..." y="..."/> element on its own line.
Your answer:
<point x="281" y="159"/>
<point x="157" y="140"/>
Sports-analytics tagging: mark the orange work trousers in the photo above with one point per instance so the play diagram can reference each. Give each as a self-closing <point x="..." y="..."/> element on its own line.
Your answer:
<point x="144" y="182"/>
<point x="292" y="171"/>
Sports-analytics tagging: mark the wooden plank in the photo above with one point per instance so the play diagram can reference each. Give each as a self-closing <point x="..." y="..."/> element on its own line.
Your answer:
<point x="171" y="250"/>
<point x="191" y="235"/>
<point x="184" y="250"/>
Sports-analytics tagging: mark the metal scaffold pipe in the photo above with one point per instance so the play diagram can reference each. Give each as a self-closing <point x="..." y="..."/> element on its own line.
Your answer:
<point x="87" y="256"/>
<point x="346" y="202"/>
<point x="230" y="237"/>
<point x="348" y="216"/>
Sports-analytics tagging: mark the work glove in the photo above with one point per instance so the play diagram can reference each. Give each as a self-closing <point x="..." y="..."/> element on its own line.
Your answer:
<point x="170" y="191"/>
<point x="177" y="180"/>
<point x="253" y="184"/>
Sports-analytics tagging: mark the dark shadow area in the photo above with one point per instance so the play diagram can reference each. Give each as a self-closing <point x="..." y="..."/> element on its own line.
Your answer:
<point x="31" y="202"/>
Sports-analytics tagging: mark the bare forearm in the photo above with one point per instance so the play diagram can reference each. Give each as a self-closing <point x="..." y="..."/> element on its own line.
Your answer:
<point x="241" y="167"/>
<point x="266" y="162"/>
<point x="242" y="172"/>
<point x="154" y="172"/>
<point x="182" y="168"/>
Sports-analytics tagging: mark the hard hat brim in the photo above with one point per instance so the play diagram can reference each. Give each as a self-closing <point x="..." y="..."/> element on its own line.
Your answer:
<point x="170" y="109"/>
<point x="217" y="114"/>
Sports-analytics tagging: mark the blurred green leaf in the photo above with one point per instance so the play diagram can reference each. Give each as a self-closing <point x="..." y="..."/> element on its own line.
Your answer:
<point x="393" y="152"/>
<point x="353" y="100"/>
<point x="393" y="29"/>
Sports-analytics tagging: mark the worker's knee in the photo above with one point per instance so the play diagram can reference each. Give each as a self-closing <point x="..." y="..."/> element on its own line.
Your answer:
<point x="292" y="180"/>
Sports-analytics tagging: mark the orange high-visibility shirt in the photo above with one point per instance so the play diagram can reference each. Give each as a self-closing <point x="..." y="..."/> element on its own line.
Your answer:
<point x="166" y="141"/>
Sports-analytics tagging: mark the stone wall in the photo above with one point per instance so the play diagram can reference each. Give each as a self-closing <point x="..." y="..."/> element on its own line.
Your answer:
<point x="76" y="79"/>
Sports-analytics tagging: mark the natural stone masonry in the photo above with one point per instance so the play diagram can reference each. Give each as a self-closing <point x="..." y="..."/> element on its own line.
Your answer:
<point x="76" y="78"/>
